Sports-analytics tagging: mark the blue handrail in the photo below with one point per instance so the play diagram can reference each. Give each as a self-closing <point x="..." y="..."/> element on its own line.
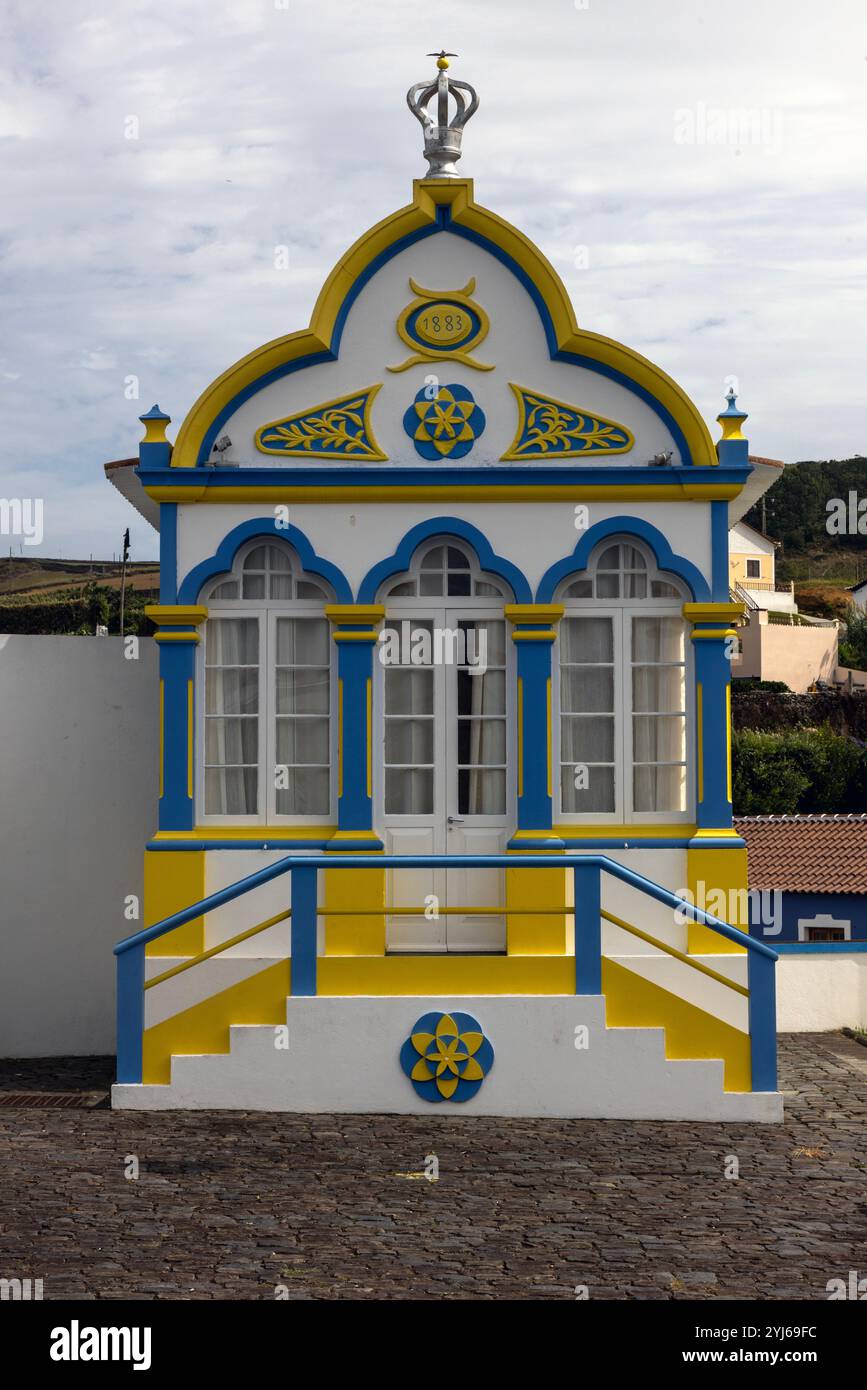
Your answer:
<point x="587" y="870"/>
<point x="440" y="861"/>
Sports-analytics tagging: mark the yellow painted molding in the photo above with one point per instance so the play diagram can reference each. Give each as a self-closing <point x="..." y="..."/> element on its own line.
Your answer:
<point x="192" y="637"/>
<point x="355" y="614"/>
<point x="176" y="614"/>
<point x="533" y="612"/>
<point x="428" y="195"/>
<point x="716" y="635"/>
<point x="288" y="492"/>
<point x="631" y="1001"/>
<point x="601" y="831"/>
<point x="444" y="974"/>
<point x="372" y="637"/>
<point x="534" y="637"/>
<point x="244" y="832"/>
<point x="712" y="612"/>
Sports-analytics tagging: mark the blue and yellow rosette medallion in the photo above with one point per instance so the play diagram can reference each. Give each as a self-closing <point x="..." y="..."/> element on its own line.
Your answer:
<point x="446" y="425"/>
<point x="446" y="1057"/>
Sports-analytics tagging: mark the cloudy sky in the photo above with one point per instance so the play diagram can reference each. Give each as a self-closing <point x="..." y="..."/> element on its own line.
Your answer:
<point x="696" y="174"/>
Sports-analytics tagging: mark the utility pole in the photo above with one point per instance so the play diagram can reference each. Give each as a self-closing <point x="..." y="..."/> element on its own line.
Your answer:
<point x="123" y="575"/>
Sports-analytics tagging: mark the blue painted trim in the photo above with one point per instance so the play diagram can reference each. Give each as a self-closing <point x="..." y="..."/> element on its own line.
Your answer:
<point x="818" y="948"/>
<point x="713" y="671"/>
<point x="763" y="1023"/>
<point x="303" y="930"/>
<point x="535" y="804"/>
<point x="588" y="928"/>
<point x="130" y="1015"/>
<point x="439" y="861"/>
<point x="623" y="526"/>
<point x="264" y="526"/>
<point x="444" y="223"/>
<point x="719" y="550"/>
<point x="329" y="355"/>
<point x="177" y="669"/>
<point x="444" y="526"/>
<point x="362" y="475"/>
<point x="168" y="552"/>
<point x="354" y="671"/>
<point x="577" y="359"/>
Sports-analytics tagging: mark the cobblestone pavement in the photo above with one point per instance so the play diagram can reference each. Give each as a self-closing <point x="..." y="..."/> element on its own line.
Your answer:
<point x="231" y="1205"/>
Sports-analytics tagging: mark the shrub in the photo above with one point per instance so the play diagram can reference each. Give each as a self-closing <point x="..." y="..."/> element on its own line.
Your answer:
<point x="812" y="771"/>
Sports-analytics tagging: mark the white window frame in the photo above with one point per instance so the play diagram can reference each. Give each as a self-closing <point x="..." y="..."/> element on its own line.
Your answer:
<point x="266" y="611"/>
<point x="620" y="612"/>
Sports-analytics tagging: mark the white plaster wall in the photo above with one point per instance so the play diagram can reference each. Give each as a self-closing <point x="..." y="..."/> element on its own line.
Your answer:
<point x="343" y="1056"/>
<point x="515" y="345"/>
<point x="79" y="779"/>
<point x="819" y="993"/>
<point x="356" y="535"/>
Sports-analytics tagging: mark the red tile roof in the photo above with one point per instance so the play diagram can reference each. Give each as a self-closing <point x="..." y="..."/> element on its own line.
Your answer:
<point x="806" y="854"/>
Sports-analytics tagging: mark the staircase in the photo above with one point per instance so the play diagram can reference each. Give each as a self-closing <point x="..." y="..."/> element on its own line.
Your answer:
<point x="608" y="1032"/>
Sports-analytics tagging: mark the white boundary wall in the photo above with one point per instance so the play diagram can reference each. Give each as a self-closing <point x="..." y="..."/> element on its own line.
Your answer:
<point x="78" y="802"/>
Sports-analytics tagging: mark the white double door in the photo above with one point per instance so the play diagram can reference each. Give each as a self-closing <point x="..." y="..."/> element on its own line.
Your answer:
<point x="446" y="769"/>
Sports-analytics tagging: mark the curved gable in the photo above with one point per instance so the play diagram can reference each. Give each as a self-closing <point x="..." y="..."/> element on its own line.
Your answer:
<point x="530" y="385"/>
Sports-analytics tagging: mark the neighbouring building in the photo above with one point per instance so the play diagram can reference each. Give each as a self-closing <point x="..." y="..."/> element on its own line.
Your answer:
<point x="777" y="643"/>
<point x="816" y="866"/>
<point x="445" y="633"/>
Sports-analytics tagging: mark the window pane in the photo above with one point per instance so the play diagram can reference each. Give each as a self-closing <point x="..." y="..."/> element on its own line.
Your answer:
<point x="657" y="639"/>
<point x="607" y="585"/>
<point x="659" y="788"/>
<point x="431" y="585"/>
<point x="587" y="689"/>
<point x="253" y="586"/>
<point x="633" y="559"/>
<point x="281" y="586"/>
<point x="596" y="796"/>
<point x="231" y="791"/>
<point x="658" y="689"/>
<point x="302" y="642"/>
<point x="302" y="691"/>
<point x="482" y="694"/>
<point x="482" y="741"/>
<point x="232" y="642"/>
<point x="587" y="739"/>
<point x="459" y="585"/>
<point x="255" y="560"/>
<point x="609" y="559"/>
<point x="586" y="639"/>
<point x="279" y="558"/>
<point x="408" y="692"/>
<point x="484" y="589"/>
<point x="306" y="794"/>
<point x="231" y="741"/>
<point x="409" y="741"/>
<point x="302" y="742"/>
<point x="659" y="589"/>
<point x="635" y="586"/>
<point x="457" y="559"/>
<point x="481" y="793"/>
<point x="658" y="739"/>
<point x="581" y="588"/>
<point x="306" y="589"/>
<point x="233" y="691"/>
<point x="409" y="792"/>
<point x="435" y="559"/>
<point x="228" y="589"/>
<point x="484" y="642"/>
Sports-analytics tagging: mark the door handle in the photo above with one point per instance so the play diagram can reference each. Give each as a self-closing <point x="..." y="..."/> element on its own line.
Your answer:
<point x="455" y="820"/>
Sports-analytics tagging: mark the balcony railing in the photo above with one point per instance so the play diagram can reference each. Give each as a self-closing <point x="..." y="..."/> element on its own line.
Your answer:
<point x="304" y="912"/>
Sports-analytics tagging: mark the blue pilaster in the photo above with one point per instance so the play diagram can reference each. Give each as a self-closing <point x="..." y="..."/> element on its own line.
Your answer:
<point x="534" y="633"/>
<point x="355" y="634"/>
<point x="177" y="639"/>
<point x="714" y="641"/>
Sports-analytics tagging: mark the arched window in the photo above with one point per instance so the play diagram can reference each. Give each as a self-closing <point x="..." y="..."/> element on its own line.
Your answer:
<point x="265" y="729"/>
<point x="623" y="689"/>
<point x="443" y="569"/>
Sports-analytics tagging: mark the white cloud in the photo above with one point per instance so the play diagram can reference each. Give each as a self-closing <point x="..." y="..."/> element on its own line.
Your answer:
<point x="258" y="125"/>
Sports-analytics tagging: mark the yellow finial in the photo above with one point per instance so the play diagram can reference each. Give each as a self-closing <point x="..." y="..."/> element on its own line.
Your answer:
<point x="442" y="58"/>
